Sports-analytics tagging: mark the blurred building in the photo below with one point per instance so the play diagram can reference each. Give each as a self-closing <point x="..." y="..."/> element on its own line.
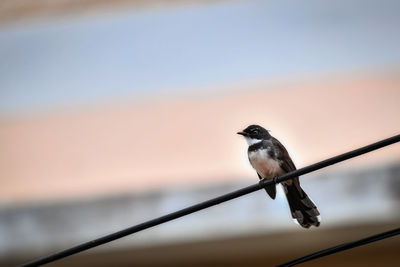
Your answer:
<point x="111" y="115"/>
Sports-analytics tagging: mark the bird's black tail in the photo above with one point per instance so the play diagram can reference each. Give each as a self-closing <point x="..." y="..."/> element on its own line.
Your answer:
<point x="301" y="206"/>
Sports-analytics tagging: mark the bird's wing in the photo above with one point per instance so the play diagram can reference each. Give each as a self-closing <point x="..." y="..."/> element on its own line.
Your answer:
<point x="271" y="189"/>
<point x="282" y="155"/>
<point x="285" y="161"/>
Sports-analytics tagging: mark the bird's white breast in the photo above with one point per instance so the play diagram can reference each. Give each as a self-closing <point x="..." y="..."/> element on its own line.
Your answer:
<point x="251" y="141"/>
<point x="265" y="166"/>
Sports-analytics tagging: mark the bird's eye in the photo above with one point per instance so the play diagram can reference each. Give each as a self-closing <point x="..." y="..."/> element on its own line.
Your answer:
<point x="255" y="131"/>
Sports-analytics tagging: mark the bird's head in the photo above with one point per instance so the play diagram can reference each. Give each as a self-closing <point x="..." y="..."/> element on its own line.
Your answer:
<point x="255" y="134"/>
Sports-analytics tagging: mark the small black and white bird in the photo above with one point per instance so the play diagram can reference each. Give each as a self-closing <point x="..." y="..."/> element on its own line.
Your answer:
<point x="269" y="158"/>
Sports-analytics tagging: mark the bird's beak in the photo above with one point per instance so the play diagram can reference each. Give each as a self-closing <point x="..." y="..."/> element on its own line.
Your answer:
<point x="242" y="133"/>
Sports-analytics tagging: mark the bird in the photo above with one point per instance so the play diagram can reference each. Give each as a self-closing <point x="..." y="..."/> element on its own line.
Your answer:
<point x="270" y="159"/>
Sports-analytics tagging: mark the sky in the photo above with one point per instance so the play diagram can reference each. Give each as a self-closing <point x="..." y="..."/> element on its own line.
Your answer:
<point x="47" y="64"/>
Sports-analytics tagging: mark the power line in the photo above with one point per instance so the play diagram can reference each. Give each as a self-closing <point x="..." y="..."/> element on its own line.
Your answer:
<point x="341" y="247"/>
<point x="211" y="202"/>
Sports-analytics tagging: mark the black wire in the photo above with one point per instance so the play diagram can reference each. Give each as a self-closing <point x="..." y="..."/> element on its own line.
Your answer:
<point x="211" y="202"/>
<point x="341" y="247"/>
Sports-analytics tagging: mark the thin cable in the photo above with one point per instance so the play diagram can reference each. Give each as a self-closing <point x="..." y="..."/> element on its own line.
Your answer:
<point x="211" y="202"/>
<point x="341" y="247"/>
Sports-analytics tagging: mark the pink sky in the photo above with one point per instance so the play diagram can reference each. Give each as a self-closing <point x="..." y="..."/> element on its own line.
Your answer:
<point x="191" y="140"/>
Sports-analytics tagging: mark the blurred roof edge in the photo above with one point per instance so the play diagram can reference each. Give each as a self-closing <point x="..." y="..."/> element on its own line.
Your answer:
<point x="12" y="11"/>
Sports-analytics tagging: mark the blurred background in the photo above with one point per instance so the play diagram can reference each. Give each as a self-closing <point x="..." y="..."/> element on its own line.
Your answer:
<point x="116" y="112"/>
